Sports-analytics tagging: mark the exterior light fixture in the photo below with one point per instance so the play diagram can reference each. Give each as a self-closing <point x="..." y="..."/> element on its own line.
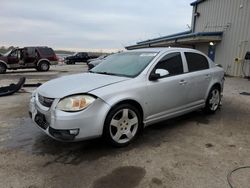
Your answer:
<point x="211" y="43"/>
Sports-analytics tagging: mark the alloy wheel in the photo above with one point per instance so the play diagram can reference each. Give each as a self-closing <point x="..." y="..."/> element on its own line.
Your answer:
<point x="214" y="101"/>
<point x="44" y="66"/>
<point x="124" y="126"/>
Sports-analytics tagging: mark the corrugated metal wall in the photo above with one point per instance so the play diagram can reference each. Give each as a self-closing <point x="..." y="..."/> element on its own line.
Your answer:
<point x="233" y="18"/>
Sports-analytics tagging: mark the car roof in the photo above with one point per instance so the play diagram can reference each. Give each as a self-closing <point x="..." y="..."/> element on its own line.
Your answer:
<point x="164" y="49"/>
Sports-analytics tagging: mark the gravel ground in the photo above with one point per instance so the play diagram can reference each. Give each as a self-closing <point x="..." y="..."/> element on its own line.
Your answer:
<point x="195" y="150"/>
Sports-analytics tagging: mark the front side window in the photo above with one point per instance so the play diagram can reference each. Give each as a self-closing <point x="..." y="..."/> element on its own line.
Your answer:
<point x="196" y="61"/>
<point x="172" y="63"/>
<point x="14" y="53"/>
<point x="129" y="64"/>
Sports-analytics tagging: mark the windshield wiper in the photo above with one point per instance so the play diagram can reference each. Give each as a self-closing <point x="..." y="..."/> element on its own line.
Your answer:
<point x="109" y="73"/>
<point x="106" y="73"/>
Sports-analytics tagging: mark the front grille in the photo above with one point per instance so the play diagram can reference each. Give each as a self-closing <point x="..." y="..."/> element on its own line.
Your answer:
<point x="45" y="101"/>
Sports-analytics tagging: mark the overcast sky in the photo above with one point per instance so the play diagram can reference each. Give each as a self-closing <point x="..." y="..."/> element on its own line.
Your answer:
<point x="90" y="25"/>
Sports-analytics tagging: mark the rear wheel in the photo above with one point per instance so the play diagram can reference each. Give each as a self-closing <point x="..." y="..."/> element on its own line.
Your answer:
<point x="122" y="125"/>
<point x="43" y="66"/>
<point x="3" y="68"/>
<point x="213" y="100"/>
<point x="70" y="62"/>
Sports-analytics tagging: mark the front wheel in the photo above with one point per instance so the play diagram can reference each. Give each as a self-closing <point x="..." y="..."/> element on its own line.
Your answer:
<point x="122" y="125"/>
<point x="213" y="100"/>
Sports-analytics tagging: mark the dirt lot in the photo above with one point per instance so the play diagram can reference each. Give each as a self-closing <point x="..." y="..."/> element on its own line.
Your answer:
<point x="195" y="150"/>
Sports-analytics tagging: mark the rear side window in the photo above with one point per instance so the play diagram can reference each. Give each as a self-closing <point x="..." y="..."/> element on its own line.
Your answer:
<point x="172" y="63"/>
<point x="196" y="61"/>
<point x="46" y="52"/>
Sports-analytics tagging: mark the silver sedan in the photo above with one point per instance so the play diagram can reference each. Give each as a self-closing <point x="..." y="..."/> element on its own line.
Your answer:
<point x="125" y="93"/>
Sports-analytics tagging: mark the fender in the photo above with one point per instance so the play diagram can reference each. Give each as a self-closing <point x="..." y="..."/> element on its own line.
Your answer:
<point x="217" y="81"/>
<point x="43" y="60"/>
<point x="1" y="61"/>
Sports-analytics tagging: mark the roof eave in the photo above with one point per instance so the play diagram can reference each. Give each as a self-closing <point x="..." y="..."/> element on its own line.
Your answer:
<point x="197" y="2"/>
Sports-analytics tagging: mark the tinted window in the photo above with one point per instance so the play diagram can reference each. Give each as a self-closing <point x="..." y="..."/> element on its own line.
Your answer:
<point x="172" y="63"/>
<point x="46" y="51"/>
<point x="196" y="61"/>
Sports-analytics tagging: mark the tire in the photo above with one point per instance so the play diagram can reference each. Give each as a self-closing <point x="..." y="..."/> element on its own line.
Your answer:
<point x="3" y="68"/>
<point x="122" y="125"/>
<point x="43" y="66"/>
<point x="71" y="62"/>
<point x="213" y="100"/>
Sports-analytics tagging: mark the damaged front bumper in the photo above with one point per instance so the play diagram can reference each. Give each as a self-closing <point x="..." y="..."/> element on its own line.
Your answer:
<point x="68" y="126"/>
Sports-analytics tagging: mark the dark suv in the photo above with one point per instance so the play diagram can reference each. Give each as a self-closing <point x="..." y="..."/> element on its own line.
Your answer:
<point x="39" y="58"/>
<point x="78" y="57"/>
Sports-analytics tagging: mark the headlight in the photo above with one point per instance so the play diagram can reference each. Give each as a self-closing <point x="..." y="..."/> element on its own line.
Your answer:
<point x="75" y="103"/>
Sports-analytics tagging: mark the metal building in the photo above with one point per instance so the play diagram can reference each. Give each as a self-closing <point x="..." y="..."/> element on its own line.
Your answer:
<point x="220" y="29"/>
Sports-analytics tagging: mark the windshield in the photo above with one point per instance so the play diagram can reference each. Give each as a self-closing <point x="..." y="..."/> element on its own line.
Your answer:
<point x="129" y="64"/>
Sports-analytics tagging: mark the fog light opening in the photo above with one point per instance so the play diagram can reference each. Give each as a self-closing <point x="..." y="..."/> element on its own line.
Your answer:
<point x="74" y="132"/>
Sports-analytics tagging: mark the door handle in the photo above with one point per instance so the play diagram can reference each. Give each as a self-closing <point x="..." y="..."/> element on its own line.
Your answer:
<point x="183" y="82"/>
<point x="207" y="77"/>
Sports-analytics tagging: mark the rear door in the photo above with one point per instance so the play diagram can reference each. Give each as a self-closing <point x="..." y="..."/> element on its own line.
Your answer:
<point x="167" y="94"/>
<point x="199" y="77"/>
<point x="30" y="55"/>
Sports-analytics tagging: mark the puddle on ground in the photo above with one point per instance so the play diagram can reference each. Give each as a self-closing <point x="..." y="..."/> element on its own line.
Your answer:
<point x="122" y="177"/>
<point x="22" y="134"/>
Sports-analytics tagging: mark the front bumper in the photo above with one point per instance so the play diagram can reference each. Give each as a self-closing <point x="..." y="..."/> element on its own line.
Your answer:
<point x="69" y="126"/>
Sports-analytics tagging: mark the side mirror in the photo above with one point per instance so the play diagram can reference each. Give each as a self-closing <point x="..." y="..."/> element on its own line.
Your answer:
<point x="158" y="74"/>
<point x="154" y="76"/>
<point x="162" y="72"/>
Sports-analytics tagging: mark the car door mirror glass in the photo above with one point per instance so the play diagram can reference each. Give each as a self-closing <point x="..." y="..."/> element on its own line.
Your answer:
<point x="162" y="72"/>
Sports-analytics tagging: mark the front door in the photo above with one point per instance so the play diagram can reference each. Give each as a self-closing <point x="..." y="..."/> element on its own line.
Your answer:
<point x="167" y="94"/>
<point x="13" y="57"/>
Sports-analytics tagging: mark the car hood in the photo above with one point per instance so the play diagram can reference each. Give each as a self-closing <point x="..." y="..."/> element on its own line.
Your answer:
<point x="75" y="84"/>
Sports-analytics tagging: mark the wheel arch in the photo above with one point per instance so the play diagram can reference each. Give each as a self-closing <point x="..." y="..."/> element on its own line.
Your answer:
<point x="3" y="62"/>
<point x="216" y="84"/>
<point x="41" y="60"/>
<point x="132" y="102"/>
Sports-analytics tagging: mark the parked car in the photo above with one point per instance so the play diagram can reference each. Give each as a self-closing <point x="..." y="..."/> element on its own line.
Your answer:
<point x="78" y="57"/>
<point x="39" y="58"/>
<point x="125" y="93"/>
<point x="96" y="61"/>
